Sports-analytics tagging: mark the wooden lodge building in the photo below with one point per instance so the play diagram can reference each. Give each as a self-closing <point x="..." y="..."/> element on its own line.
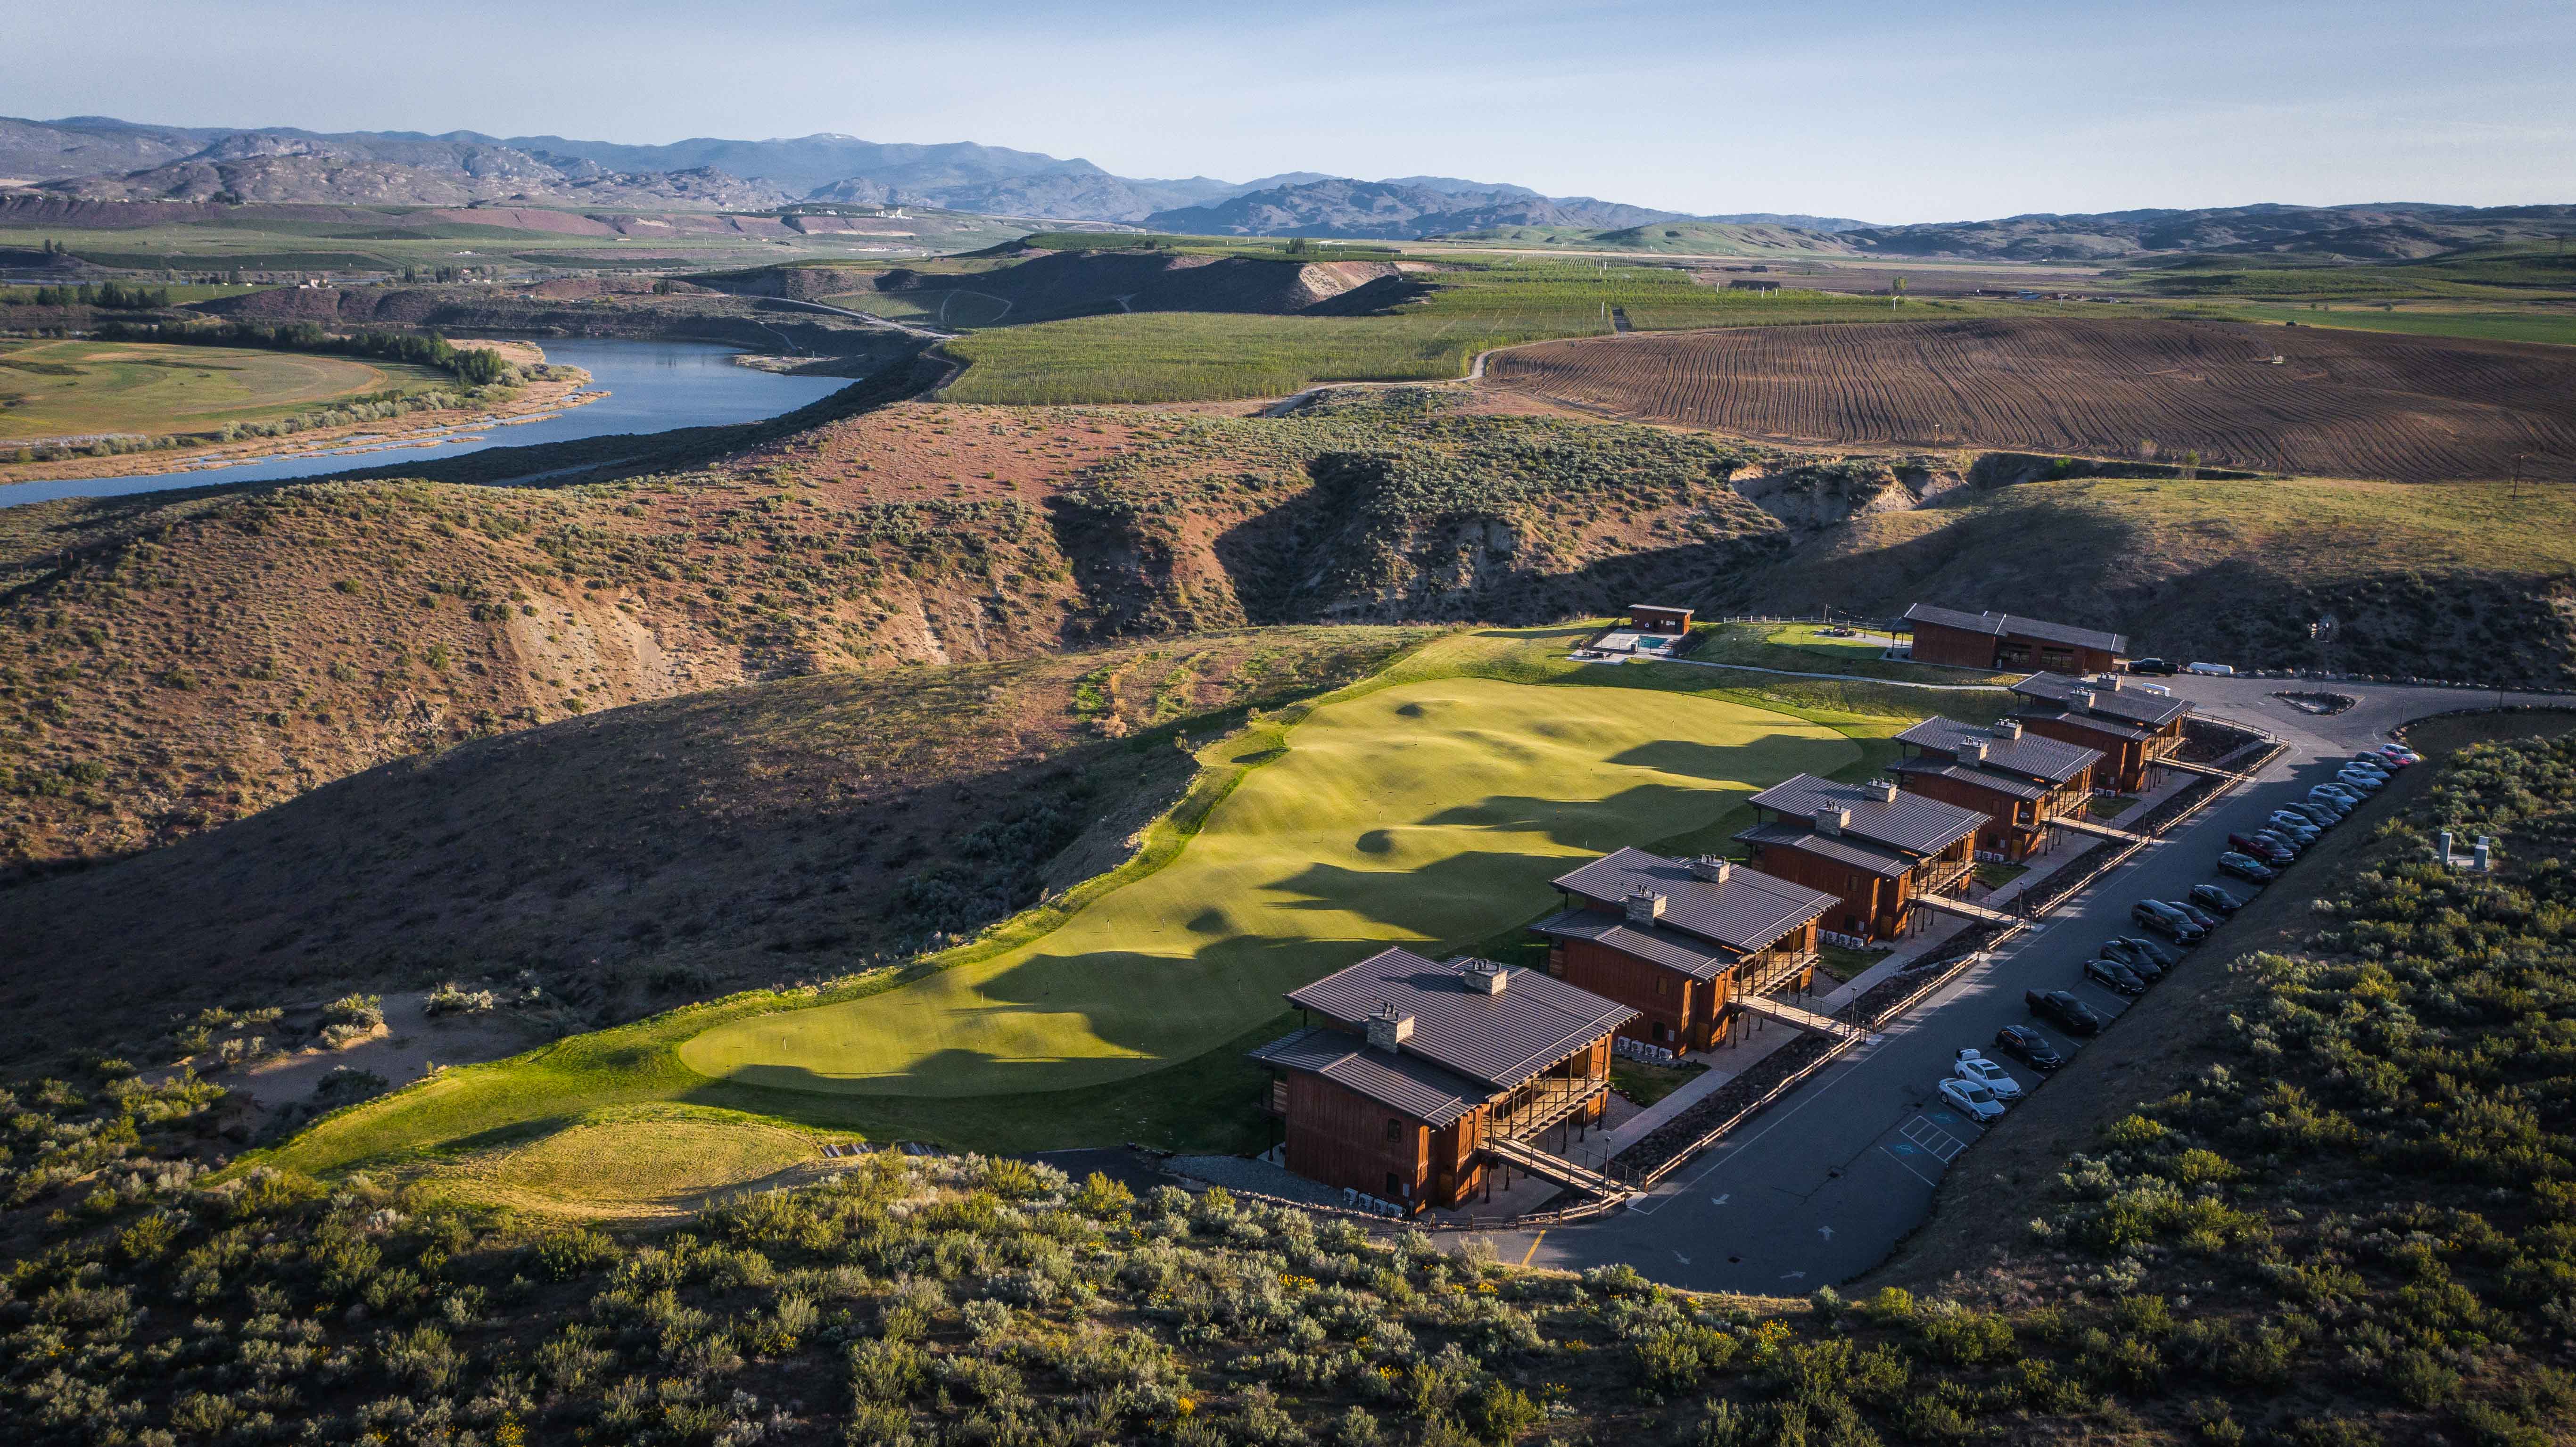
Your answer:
<point x="2131" y="726"/>
<point x="2018" y="779"/>
<point x="1873" y="847"/>
<point x="1658" y="618"/>
<point x="1416" y="1076"/>
<point x="1679" y="941"/>
<point x="2005" y="642"/>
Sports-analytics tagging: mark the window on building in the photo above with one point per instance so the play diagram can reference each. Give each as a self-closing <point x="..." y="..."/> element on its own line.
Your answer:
<point x="1394" y="1129"/>
<point x="1394" y="1186"/>
<point x="1663" y="986"/>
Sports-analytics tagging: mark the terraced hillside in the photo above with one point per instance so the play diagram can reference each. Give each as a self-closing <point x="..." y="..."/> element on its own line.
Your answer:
<point x="2285" y="399"/>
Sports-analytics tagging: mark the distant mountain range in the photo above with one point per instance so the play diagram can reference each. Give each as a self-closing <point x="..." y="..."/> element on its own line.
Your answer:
<point x="101" y="158"/>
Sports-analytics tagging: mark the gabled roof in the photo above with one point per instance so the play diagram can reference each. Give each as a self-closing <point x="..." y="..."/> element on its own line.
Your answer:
<point x="1746" y="912"/>
<point x="1842" y="849"/>
<point x="1908" y="822"/>
<point x="2009" y="625"/>
<point x="1670" y="948"/>
<point x="1416" y="1087"/>
<point x="2031" y="756"/>
<point x="2132" y="705"/>
<point x="1936" y="766"/>
<point x="1500" y="1039"/>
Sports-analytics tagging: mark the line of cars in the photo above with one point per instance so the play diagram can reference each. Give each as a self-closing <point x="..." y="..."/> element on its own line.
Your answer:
<point x="1980" y="1089"/>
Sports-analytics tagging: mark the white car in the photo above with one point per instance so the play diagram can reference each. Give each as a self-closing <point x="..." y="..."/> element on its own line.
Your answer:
<point x="2369" y="781"/>
<point x="1972" y="1100"/>
<point x="2211" y="670"/>
<point x="1974" y="1066"/>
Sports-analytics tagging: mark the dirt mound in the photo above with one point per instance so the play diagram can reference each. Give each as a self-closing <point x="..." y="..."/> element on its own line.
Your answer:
<point x="2289" y="399"/>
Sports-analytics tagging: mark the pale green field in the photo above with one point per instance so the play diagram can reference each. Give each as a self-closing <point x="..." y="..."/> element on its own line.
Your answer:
<point x="1422" y="812"/>
<point x="69" y="388"/>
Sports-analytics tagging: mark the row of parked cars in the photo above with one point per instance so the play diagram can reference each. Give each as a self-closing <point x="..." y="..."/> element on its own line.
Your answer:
<point x="1980" y="1088"/>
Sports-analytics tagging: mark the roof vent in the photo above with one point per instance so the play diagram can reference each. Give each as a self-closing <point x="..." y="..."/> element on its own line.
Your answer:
<point x="1973" y="749"/>
<point x="1484" y="977"/>
<point x="2079" y="698"/>
<point x="1830" y="818"/>
<point x="1388" y="1030"/>
<point x="1711" y="868"/>
<point x="1645" y="906"/>
<point x="2007" y="728"/>
<point x="1882" y="790"/>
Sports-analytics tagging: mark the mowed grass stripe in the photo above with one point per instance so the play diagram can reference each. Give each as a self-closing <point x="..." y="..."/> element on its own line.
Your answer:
<point x="1424" y="812"/>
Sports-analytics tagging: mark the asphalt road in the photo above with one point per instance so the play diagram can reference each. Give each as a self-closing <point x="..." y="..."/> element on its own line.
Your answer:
<point x="1822" y="1186"/>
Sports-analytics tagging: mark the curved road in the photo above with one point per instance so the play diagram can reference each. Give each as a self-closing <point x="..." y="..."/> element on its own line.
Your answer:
<point x="1822" y="1186"/>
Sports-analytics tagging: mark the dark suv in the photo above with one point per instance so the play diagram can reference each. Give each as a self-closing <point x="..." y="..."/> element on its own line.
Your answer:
<point x="2064" y="1011"/>
<point x="2161" y="667"/>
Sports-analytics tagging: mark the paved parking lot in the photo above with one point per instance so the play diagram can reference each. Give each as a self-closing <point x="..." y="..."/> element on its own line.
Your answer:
<point x="1823" y="1186"/>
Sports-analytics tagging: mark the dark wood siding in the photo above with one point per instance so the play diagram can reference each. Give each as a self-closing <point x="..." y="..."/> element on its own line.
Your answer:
<point x="1662" y="996"/>
<point x="1958" y="647"/>
<point x="1871" y="904"/>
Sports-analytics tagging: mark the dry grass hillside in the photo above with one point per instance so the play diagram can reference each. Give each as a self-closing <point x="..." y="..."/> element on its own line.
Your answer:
<point x="645" y="855"/>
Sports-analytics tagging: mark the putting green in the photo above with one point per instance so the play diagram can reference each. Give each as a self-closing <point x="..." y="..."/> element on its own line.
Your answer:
<point x="1422" y="812"/>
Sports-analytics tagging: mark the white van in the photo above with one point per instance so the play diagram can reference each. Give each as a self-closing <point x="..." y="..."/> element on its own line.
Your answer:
<point x="2214" y="670"/>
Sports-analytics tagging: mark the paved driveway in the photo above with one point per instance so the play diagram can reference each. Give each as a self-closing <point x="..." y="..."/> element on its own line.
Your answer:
<point x="1822" y="1186"/>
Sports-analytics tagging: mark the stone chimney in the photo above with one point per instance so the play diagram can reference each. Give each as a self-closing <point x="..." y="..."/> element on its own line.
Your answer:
<point x="1830" y="818"/>
<point x="1484" y="977"/>
<point x="2079" y="698"/>
<point x="2007" y="728"/>
<point x="1712" y="869"/>
<point x="1883" y="790"/>
<point x="1644" y="906"/>
<point x="1973" y="750"/>
<point x="1388" y="1030"/>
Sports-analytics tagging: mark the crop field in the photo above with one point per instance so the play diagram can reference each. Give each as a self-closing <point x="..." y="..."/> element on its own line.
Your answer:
<point x="2555" y="328"/>
<point x="2338" y="404"/>
<point x="1184" y="356"/>
<point x="1430" y="803"/>
<point x="73" y="389"/>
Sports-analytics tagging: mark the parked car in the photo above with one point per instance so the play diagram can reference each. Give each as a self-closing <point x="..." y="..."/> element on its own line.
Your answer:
<point x="1971" y="1065"/>
<point x="2368" y="781"/>
<point x="2131" y="948"/>
<point x="2316" y="812"/>
<point x="2029" y="1047"/>
<point x="2297" y="825"/>
<point x="2210" y="896"/>
<point x="2261" y="848"/>
<point x="2372" y="759"/>
<point x="2118" y="979"/>
<point x="2246" y="867"/>
<point x="2341" y="796"/>
<point x="2398" y="754"/>
<point x="1971" y="1100"/>
<point x="2207" y="920"/>
<point x="2063" y="1010"/>
<point x="2282" y="838"/>
<point x="2166" y="920"/>
<point x="2141" y="966"/>
<point x="2160" y="667"/>
<point x="2213" y="670"/>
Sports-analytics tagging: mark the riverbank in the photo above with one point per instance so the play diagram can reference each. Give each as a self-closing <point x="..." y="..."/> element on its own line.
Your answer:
<point x="545" y="390"/>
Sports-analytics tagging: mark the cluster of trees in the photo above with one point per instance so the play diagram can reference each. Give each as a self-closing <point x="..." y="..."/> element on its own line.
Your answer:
<point x="108" y="295"/>
<point x="477" y="366"/>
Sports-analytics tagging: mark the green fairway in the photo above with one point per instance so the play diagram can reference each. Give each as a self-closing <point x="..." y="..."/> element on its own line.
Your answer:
<point x="1420" y="812"/>
<point x="1121" y="1011"/>
<point x="74" y="389"/>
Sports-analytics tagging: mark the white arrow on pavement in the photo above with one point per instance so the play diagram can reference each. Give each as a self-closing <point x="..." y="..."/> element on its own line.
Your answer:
<point x="1677" y="1256"/>
<point x="1721" y="1200"/>
<point x="1793" y="1276"/>
<point x="1825" y="1231"/>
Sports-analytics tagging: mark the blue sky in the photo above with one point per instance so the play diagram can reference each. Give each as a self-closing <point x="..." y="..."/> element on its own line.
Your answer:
<point x="1889" y="112"/>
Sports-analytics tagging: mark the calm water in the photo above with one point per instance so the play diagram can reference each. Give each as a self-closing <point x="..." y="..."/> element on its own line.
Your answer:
<point x="651" y="387"/>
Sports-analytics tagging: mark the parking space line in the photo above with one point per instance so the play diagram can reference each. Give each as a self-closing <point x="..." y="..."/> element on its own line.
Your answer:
<point x="1918" y="1175"/>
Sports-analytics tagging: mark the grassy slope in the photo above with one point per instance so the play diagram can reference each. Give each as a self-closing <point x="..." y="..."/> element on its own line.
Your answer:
<point x="1414" y="814"/>
<point x="66" y="388"/>
<point x="2557" y="327"/>
<point x="1199" y="1103"/>
<point x="2414" y="575"/>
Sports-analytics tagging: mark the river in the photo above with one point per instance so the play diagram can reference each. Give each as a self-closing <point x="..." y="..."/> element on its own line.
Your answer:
<point x="651" y="387"/>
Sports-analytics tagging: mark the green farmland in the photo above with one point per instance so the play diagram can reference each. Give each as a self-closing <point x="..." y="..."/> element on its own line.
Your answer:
<point x="73" y="388"/>
<point x="1199" y="356"/>
<point x="1429" y="805"/>
<point x="2557" y="328"/>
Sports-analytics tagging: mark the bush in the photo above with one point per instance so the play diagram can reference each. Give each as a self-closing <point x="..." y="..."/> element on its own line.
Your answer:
<point x="567" y="1254"/>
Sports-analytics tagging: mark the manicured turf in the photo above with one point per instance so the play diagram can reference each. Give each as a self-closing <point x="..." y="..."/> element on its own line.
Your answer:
<point x="66" y="388"/>
<point x="1417" y="813"/>
<point x="1659" y="755"/>
<point x="644" y="1161"/>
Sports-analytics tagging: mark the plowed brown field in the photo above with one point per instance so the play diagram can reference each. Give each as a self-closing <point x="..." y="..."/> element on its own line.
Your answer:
<point x="2339" y="404"/>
